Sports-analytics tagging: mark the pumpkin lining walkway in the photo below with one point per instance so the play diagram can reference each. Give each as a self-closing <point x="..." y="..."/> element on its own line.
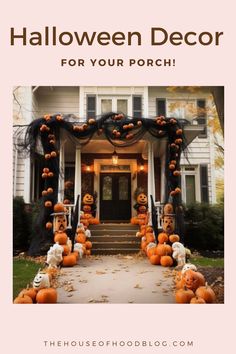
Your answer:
<point x="115" y="279"/>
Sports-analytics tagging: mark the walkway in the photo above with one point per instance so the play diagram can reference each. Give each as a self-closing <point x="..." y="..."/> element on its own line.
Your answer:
<point x="115" y="279"/>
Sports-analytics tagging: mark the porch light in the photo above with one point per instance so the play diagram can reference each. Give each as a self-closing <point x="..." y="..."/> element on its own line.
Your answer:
<point x="88" y="168"/>
<point x="114" y="158"/>
<point x="141" y="167"/>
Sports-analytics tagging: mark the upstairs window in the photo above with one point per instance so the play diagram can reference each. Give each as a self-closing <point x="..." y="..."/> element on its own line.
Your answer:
<point x="91" y="106"/>
<point x="161" y="107"/>
<point x="201" y="117"/>
<point x="137" y="106"/>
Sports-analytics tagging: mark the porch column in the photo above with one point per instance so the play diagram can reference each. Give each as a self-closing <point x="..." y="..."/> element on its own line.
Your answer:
<point x="163" y="176"/>
<point x="77" y="189"/>
<point x="151" y="173"/>
<point x="61" y="178"/>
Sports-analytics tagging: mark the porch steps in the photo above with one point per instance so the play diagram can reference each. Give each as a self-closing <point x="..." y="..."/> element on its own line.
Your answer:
<point x="114" y="239"/>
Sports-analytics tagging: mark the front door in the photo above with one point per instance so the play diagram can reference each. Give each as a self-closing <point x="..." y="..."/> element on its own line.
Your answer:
<point x="115" y="197"/>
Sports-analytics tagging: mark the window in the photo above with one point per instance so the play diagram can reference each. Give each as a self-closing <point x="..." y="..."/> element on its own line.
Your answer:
<point x="161" y="107"/>
<point x="190" y="189"/>
<point x="204" y="183"/>
<point x="108" y="104"/>
<point x="91" y="106"/>
<point x="201" y="117"/>
<point x="181" y="109"/>
<point x="190" y="181"/>
<point x="137" y="106"/>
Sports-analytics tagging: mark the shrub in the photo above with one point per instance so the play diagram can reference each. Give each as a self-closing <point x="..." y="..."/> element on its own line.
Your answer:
<point x="204" y="226"/>
<point x="21" y="225"/>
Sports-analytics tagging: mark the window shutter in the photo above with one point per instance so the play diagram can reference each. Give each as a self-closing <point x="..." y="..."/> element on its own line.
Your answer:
<point x="91" y="106"/>
<point x="161" y="107"/>
<point x="201" y="112"/>
<point x="204" y="183"/>
<point x="137" y="106"/>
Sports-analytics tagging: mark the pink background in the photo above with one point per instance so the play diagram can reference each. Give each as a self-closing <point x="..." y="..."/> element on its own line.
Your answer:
<point x="25" y="327"/>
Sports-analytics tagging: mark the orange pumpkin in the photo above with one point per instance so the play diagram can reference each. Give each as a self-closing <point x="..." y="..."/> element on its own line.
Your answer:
<point x="61" y="238"/>
<point x="155" y="259"/>
<point x="80" y="238"/>
<point x="184" y="296"/>
<point x="151" y="251"/>
<point x="24" y="299"/>
<point x="143" y="245"/>
<point x="174" y="238"/>
<point x="58" y="208"/>
<point x="150" y="237"/>
<point x="168" y="209"/>
<point x="50" y="174"/>
<point x="149" y="229"/>
<point x="180" y="284"/>
<point x="44" y="193"/>
<point x="31" y="292"/>
<point x="162" y="237"/>
<point x="46" y="170"/>
<point x="69" y="261"/>
<point x="166" y="261"/>
<point x="53" y="154"/>
<point x="88" y="244"/>
<point x="48" y="204"/>
<point x="193" y="279"/>
<point x="142" y="199"/>
<point x="46" y="296"/>
<point x="76" y="254"/>
<point x="206" y="293"/>
<point x="66" y="250"/>
<point x="197" y="300"/>
<point x="161" y="249"/>
<point x="48" y="225"/>
<point x="88" y="199"/>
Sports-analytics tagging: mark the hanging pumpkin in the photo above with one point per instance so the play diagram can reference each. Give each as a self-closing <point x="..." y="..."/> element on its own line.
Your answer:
<point x="58" y="208"/>
<point x="184" y="296"/>
<point x="50" y="174"/>
<point x="48" y="225"/>
<point x="48" y="204"/>
<point x="46" y="296"/>
<point x="166" y="261"/>
<point x="46" y="170"/>
<point x="206" y="293"/>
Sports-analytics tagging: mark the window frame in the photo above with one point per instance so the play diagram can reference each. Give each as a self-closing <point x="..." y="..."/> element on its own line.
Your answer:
<point x="195" y="172"/>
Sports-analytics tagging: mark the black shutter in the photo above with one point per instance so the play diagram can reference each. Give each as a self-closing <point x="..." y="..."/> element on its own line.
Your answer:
<point x="161" y="107"/>
<point x="201" y="112"/>
<point x="137" y="106"/>
<point x="204" y="183"/>
<point x="91" y="106"/>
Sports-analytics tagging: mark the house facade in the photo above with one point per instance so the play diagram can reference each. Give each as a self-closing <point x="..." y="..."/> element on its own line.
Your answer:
<point x="114" y="174"/>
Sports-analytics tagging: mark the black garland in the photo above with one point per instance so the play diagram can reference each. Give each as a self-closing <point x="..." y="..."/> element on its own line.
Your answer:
<point x="120" y="131"/>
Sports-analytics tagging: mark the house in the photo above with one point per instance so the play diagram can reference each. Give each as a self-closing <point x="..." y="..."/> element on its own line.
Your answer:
<point x="94" y="167"/>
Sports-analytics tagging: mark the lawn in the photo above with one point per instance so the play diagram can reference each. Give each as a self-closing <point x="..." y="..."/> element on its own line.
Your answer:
<point x="24" y="272"/>
<point x="207" y="262"/>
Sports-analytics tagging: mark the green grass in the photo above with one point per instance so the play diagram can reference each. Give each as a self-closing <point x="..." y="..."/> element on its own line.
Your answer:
<point x="207" y="262"/>
<point x="24" y="272"/>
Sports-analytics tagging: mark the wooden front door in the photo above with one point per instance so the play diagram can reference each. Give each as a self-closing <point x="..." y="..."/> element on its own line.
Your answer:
<point x="115" y="196"/>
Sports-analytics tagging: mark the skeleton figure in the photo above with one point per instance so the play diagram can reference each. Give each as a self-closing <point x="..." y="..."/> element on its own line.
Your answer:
<point x="54" y="255"/>
<point x="41" y="280"/>
<point x="179" y="253"/>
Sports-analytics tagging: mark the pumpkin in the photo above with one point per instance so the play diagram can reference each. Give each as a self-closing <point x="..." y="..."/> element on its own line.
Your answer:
<point x="139" y="123"/>
<point x="174" y="238"/>
<point x="180" y="284"/>
<point x="176" y="173"/>
<point x="88" y="199"/>
<point x="162" y="237"/>
<point x="66" y="250"/>
<point x="150" y="237"/>
<point x="76" y="254"/>
<point x="47" y="156"/>
<point x="143" y="245"/>
<point x="184" y="296"/>
<point x="80" y="238"/>
<point x="155" y="259"/>
<point x="197" y="300"/>
<point x="166" y="261"/>
<point x="161" y="249"/>
<point x="53" y="154"/>
<point x="48" y="204"/>
<point x="149" y="229"/>
<point x="91" y="121"/>
<point x="134" y="220"/>
<point x="171" y="166"/>
<point x="93" y="221"/>
<point x="178" y="141"/>
<point x="179" y="131"/>
<point x="193" y="279"/>
<point x="44" y="175"/>
<point x="88" y="252"/>
<point x="177" y="190"/>
<point x="69" y="260"/>
<point x="48" y="225"/>
<point x="168" y="250"/>
<point x="31" y="292"/>
<point x="58" y="208"/>
<point x="24" y="299"/>
<point x="206" y="293"/>
<point x="45" y="170"/>
<point x="85" y="222"/>
<point x="50" y="174"/>
<point x="59" y="118"/>
<point x="61" y="238"/>
<point x="142" y="209"/>
<point x="151" y="251"/>
<point x="44" y="193"/>
<point x="86" y="208"/>
<point x="66" y="201"/>
<point x="88" y="244"/>
<point x="142" y="199"/>
<point x="46" y="296"/>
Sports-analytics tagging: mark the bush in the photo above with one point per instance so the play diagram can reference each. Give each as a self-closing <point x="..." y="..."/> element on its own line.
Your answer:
<point x="21" y="225"/>
<point x="204" y="226"/>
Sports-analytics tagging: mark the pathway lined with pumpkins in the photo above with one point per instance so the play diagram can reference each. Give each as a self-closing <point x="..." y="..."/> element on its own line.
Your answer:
<point x="115" y="279"/>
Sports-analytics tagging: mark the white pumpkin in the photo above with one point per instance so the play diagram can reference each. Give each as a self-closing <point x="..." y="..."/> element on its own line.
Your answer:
<point x="41" y="280"/>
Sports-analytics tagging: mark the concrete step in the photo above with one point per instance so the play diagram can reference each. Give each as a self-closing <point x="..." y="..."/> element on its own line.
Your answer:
<point x="114" y="227"/>
<point x="113" y="232"/>
<point x="104" y="251"/>
<point x="116" y="245"/>
<point x="116" y="238"/>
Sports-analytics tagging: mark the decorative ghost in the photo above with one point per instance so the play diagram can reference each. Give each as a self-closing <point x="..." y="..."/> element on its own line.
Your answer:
<point x="79" y="248"/>
<point x="54" y="255"/>
<point x="179" y="253"/>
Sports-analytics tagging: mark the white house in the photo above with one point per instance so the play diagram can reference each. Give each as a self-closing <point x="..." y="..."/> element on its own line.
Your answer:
<point x="90" y="167"/>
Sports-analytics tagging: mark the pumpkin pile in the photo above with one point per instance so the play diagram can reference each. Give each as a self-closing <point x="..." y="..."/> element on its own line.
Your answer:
<point x="82" y="245"/>
<point x="88" y="210"/>
<point x="41" y="292"/>
<point x="191" y="287"/>
<point x="142" y="208"/>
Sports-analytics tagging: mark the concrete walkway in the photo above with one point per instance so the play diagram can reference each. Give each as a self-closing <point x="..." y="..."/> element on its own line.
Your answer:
<point x="115" y="279"/>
